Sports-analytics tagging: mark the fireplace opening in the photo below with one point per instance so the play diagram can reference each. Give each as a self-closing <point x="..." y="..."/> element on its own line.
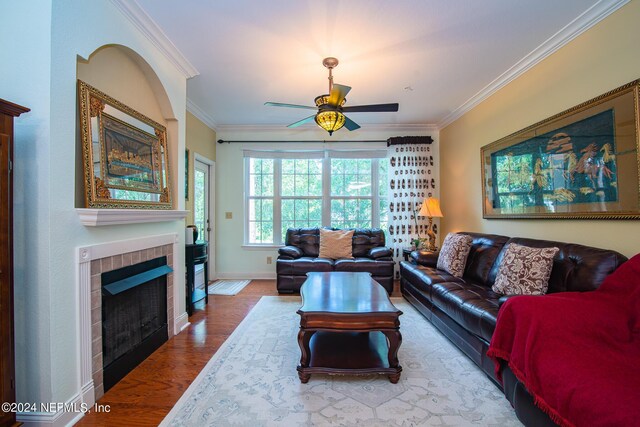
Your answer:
<point x="134" y="316"/>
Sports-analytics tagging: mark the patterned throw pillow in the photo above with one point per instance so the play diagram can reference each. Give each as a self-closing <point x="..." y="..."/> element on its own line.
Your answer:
<point x="454" y="253"/>
<point x="524" y="270"/>
<point x="336" y="244"/>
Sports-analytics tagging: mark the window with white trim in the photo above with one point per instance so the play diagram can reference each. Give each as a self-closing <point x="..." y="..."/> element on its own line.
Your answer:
<point x="343" y="189"/>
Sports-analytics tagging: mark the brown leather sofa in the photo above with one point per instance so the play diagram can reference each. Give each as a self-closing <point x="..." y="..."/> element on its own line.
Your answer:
<point x="302" y="247"/>
<point x="465" y="309"/>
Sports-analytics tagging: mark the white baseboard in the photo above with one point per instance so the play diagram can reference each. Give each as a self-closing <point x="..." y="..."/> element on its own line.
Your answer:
<point x="66" y="416"/>
<point x="250" y="276"/>
<point x="181" y="323"/>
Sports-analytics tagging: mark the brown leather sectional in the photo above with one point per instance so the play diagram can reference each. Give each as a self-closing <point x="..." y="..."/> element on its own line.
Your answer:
<point x="465" y="309"/>
<point x="302" y="247"/>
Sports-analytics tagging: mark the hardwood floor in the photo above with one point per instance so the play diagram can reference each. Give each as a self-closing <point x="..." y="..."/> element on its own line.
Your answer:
<point x="147" y="394"/>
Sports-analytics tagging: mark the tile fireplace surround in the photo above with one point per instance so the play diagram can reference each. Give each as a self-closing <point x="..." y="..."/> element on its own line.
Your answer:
<point x="94" y="260"/>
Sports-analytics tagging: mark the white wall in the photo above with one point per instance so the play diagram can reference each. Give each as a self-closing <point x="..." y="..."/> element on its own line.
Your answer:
<point x="234" y="261"/>
<point x="45" y="40"/>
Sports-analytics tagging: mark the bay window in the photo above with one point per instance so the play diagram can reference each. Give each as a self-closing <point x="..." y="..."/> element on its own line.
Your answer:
<point x="343" y="189"/>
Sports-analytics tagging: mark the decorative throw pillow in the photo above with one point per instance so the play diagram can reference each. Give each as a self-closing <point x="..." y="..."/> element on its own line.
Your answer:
<point x="454" y="253"/>
<point x="524" y="270"/>
<point x="336" y="244"/>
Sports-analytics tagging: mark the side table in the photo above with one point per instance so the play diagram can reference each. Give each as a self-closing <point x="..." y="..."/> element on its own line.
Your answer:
<point x="196" y="253"/>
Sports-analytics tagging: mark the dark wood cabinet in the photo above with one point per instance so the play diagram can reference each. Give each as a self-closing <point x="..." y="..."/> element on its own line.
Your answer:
<point x="8" y="111"/>
<point x="196" y="253"/>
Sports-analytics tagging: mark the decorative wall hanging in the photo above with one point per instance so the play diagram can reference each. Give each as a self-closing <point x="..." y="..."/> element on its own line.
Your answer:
<point x="186" y="174"/>
<point x="124" y="153"/>
<point x="582" y="163"/>
<point x="411" y="180"/>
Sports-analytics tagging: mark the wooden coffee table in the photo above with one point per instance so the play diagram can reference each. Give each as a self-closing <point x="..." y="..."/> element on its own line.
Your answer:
<point x="348" y="325"/>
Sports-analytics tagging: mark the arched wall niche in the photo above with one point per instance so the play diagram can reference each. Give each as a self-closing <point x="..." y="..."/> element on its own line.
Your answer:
<point x="123" y="74"/>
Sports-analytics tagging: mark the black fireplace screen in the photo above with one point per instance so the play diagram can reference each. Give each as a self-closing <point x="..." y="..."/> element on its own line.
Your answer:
<point x="134" y="316"/>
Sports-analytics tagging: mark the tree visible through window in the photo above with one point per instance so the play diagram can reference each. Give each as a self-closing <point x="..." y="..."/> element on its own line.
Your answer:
<point x="287" y="193"/>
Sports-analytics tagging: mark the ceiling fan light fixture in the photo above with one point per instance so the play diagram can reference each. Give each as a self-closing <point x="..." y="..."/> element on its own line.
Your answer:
<point x="324" y="100"/>
<point x="330" y="120"/>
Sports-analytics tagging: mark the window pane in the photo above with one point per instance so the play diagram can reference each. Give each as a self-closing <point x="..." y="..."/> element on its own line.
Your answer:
<point x="255" y="166"/>
<point x="302" y="166"/>
<point x="286" y="225"/>
<point x="302" y="185"/>
<point x="337" y="167"/>
<point x="199" y="202"/>
<point x="302" y="210"/>
<point x="287" y="184"/>
<point x="364" y="210"/>
<point x="267" y="185"/>
<point x="287" y="207"/>
<point x="337" y="213"/>
<point x="267" y="166"/>
<point x="315" y="167"/>
<point x="337" y="185"/>
<point x="315" y="185"/>
<point x="288" y="166"/>
<point x="267" y="210"/>
<point x="315" y="210"/>
<point x="255" y="184"/>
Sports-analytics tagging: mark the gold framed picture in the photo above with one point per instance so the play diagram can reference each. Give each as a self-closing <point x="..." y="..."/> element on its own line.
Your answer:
<point x="581" y="163"/>
<point x="124" y="152"/>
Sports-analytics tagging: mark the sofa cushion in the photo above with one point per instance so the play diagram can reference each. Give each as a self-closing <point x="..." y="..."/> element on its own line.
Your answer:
<point x="307" y="239"/>
<point x="473" y="306"/>
<point x="301" y="266"/>
<point x="380" y="252"/>
<point x="336" y="244"/>
<point x="524" y="270"/>
<point x="423" y="278"/>
<point x="291" y="252"/>
<point x="454" y="253"/>
<point x="365" y="265"/>
<point x="575" y="267"/>
<point x="365" y="239"/>
<point x="485" y="249"/>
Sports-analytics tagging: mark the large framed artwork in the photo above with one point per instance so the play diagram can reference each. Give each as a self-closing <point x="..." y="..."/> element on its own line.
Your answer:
<point x="581" y="163"/>
<point x="124" y="152"/>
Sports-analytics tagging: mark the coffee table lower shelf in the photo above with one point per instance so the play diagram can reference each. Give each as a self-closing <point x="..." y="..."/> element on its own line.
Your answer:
<point x="347" y="353"/>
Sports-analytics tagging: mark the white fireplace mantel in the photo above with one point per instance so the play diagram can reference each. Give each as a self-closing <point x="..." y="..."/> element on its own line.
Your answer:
<point x="99" y="217"/>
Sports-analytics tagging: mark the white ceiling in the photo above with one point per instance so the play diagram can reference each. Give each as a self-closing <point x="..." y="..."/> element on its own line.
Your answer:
<point x="431" y="56"/>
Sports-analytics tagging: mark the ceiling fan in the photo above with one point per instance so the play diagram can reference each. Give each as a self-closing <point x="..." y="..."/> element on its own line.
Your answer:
<point x="331" y="109"/>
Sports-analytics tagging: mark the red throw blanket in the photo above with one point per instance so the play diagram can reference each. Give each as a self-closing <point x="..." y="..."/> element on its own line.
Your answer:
<point x="577" y="353"/>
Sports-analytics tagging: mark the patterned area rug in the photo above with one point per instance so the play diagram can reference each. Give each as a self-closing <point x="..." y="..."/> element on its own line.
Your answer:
<point x="252" y="381"/>
<point x="227" y="287"/>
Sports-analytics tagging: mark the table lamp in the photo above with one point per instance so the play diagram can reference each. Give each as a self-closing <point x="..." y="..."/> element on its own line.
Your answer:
<point x="431" y="209"/>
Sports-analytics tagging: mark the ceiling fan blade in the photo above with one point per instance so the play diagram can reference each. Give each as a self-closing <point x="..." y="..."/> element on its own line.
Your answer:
<point x="301" y="122"/>
<point x="337" y="95"/>
<point x="280" y="104"/>
<point x="373" y="108"/>
<point x="350" y="124"/>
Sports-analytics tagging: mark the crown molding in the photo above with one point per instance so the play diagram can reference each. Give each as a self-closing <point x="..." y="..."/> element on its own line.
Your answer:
<point x="582" y="23"/>
<point x="201" y="115"/>
<point x="377" y="127"/>
<point x="147" y="26"/>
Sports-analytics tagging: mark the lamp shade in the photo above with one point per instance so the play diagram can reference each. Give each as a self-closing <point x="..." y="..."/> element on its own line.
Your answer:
<point x="330" y="120"/>
<point x="431" y="208"/>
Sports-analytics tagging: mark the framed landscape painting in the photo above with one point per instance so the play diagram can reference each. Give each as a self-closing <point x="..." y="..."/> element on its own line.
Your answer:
<point x="581" y="163"/>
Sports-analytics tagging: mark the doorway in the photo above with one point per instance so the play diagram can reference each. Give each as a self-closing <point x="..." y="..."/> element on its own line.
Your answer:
<point x="203" y="204"/>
